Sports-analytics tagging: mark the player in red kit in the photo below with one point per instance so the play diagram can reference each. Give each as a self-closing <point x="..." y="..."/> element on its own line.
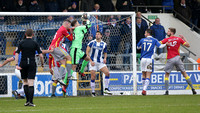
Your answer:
<point x="173" y="57"/>
<point x="59" y="53"/>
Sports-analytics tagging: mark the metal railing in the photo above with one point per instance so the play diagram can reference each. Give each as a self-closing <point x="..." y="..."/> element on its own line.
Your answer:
<point x="146" y="7"/>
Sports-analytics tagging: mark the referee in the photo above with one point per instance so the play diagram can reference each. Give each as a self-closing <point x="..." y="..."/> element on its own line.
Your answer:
<point x="28" y="66"/>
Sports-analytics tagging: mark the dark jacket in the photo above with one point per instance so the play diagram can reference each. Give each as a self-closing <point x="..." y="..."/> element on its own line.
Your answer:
<point x="144" y="24"/>
<point x="87" y="5"/>
<point x="63" y="4"/>
<point x="21" y="8"/>
<point x="158" y="32"/>
<point x="121" y="7"/>
<point x="105" y="5"/>
<point x="35" y="8"/>
<point x="185" y="12"/>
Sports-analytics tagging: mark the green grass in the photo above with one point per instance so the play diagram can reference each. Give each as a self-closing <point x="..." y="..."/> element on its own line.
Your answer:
<point x="106" y="104"/>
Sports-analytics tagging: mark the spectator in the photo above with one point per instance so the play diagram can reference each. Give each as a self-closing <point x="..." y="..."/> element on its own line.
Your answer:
<point x="71" y="18"/>
<point x="195" y="8"/>
<point x="168" y="3"/>
<point x="63" y="4"/>
<point x="108" y="39"/>
<point x="65" y="10"/>
<point x="158" y="33"/>
<point x="105" y="5"/>
<point x="87" y="5"/>
<point x="21" y="7"/>
<point x="73" y="7"/>
<point x="2" y="19"/>
<point x="139" y="3"/>
<point x="127" y="41"/>
<point x="183" y="10"/>
<point x="115" y="38"/>
<point x="50" y="19"/>
<point x="123" y="5"/>
<point x="34" y="6"/>
<point x="96" y="8"/>
<point x="144" y="23"/>
<point x="140" y="30"/>
<point x="51" y="6"/>
<point x="77" y="3"/>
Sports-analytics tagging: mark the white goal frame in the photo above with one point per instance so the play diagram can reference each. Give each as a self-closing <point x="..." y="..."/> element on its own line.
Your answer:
<point x="132" y="14"/>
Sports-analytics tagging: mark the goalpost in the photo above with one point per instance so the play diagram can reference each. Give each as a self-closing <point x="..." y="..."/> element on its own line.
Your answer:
<point x="118" y="29"/>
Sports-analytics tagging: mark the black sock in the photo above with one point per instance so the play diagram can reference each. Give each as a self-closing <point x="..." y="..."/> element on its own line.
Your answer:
<point x="31" y="93"/>
<point x="26" y="90"/>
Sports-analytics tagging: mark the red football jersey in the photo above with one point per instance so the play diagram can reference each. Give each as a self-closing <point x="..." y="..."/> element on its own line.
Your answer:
<point x="59" y="37"/>
<point x="173" y="49"/>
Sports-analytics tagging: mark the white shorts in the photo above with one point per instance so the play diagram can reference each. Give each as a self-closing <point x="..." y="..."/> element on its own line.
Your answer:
<point x="97" y="66"/>
<point x="147" y="64"/>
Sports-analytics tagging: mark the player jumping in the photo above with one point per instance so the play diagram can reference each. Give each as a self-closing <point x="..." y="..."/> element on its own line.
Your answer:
<point x="59" y="53"/>
<point x="173" y="57"/>
<point x="76" y="52"/>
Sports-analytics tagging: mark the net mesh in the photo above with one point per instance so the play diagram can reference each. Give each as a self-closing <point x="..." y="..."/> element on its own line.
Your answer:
<point x="116" y="30"/>
<point x="116" y="33"/>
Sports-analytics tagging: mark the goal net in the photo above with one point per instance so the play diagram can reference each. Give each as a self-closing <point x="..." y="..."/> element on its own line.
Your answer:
<point x="118" y="29"/>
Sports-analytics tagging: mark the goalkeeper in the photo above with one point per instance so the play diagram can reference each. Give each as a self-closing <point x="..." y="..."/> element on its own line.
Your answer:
<point x="76" y="53"/>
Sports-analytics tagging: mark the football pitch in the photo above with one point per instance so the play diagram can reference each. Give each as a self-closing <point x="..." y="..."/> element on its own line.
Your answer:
<point x="106" y="104"/>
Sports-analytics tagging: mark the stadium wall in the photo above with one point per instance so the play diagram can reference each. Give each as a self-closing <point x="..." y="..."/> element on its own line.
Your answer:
<point x="121" y="83"/>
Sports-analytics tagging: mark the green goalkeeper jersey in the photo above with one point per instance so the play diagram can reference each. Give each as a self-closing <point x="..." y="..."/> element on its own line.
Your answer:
<point x="79" y="35"/>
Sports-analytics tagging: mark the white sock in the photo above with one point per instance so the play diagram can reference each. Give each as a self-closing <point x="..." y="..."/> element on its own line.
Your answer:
<point x="146" y="84"/>
<point x="107" y="80"/>
<point x="92" y="84"/>
<point x="51" y="82"/>
<point x="20" y="91"/>
<point x="143" y="81"/>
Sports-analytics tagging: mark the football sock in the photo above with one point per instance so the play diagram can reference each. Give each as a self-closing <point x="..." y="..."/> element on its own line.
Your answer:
<point x="92" y="84"/>
<point x="167" y="84"/>
<point x="65" y="80"/>
<point x="51" y="83"/>
<point x="107" y="80"/>
<point x="83" y="65"/>
<point x="188" y="80"/>
<point x="31" y="93"/>
<point x="69" y="68"/>
<point x="143" y="81"/>
<point x="26" y="90"/>
<point x="62" y="71"/>
<point x="20" y="91"/>
<point x="54" y="87"/>
<point x="146" y="84"/>
<point x="20" y="84"/>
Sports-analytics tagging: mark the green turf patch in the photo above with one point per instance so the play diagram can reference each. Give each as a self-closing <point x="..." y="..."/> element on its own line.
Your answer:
<point x="106" y="104"/>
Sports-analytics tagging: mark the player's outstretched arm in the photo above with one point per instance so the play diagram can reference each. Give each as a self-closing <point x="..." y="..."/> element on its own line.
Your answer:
<point x="48" y="51"/>
<point x="186" y="42"/>
<point x="7" y="61"/>
<point x="41" y="59"/>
